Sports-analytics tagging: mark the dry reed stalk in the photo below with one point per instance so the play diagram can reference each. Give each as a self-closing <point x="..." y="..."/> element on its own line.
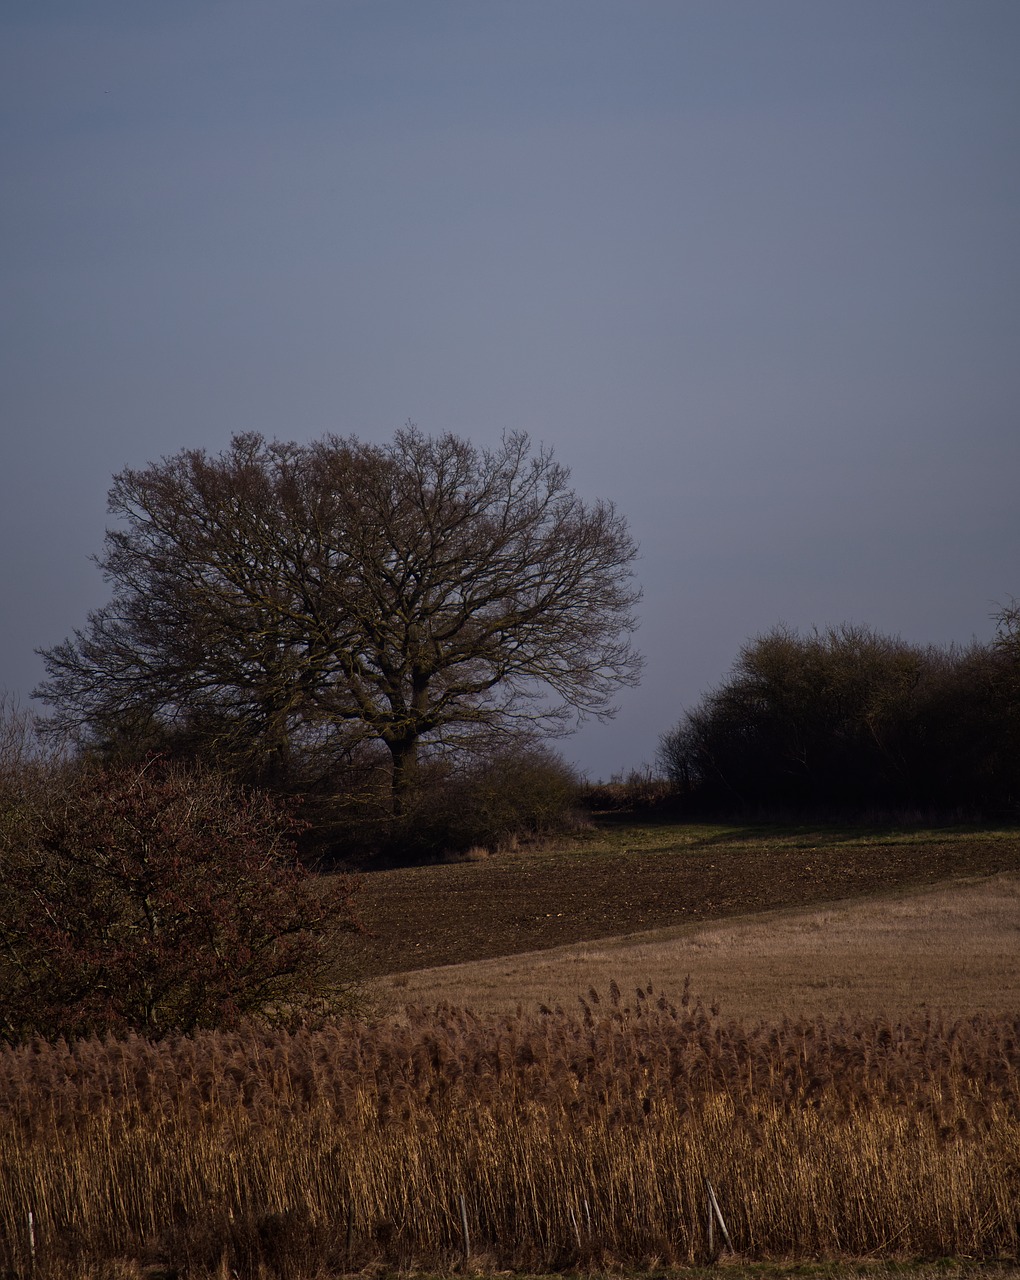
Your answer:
<point x="334" y="1149"/>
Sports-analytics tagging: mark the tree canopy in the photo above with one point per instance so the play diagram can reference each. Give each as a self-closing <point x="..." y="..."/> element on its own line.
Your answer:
<point x="283" y="598"/>
<point x="849" y="719"/>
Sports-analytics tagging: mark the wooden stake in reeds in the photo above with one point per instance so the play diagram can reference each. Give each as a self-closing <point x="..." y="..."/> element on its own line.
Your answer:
<point x="464" y="1228"/>
<point x="31" y="1243"/>
<point x="715" y="1214"/>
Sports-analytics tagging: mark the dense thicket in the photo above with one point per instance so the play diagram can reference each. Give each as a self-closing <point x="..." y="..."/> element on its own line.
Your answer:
<point x="848" y="719"/>
<point x="495" y="799"/>
<point x="155" y="898"/>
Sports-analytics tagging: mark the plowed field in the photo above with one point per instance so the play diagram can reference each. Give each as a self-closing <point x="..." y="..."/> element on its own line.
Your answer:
<point x="625" y="877"/>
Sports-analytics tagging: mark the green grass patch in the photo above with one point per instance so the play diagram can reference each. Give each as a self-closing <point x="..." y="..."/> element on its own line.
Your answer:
<point x="620" y="833"/>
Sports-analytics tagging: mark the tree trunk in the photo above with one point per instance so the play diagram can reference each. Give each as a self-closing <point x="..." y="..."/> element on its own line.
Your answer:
<point x="405" y="767"/>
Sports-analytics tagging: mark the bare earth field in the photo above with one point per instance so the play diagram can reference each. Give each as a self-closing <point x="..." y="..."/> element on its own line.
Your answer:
<point x="766" y="922"/>
<point x="953" y="950"/>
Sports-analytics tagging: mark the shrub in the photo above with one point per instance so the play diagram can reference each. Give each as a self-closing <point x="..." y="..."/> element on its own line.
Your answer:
<point x="496" y="801"/>
<point x="514" y="794"/>
<point x="492" y="799"/>
<point x="159" y="899"/>
<point x="637" y="789"/>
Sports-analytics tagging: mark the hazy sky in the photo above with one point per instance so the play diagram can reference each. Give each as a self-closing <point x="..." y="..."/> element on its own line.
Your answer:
<point x="750" y="267"/>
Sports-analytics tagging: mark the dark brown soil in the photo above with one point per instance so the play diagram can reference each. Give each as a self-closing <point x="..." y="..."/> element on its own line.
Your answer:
<point x="419" y="917"/>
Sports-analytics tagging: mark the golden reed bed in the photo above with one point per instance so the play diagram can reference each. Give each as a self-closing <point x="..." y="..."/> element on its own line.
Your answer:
<point x="559" y="1139"/>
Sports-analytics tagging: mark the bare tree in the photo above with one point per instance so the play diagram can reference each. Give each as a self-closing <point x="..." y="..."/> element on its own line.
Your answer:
<point x="295" y="597"/>
<point x="1007" y="629"/>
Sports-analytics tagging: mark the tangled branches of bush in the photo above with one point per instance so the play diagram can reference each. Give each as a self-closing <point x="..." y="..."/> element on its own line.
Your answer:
<point x="156" y="898"/>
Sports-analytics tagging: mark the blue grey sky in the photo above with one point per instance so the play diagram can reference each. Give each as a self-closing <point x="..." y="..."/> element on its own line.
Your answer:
<point x="750" y="267"/>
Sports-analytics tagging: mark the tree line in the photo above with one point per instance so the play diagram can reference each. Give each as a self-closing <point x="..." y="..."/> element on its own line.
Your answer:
<point x="848" y="720"/>
<point x="394" y="632"/>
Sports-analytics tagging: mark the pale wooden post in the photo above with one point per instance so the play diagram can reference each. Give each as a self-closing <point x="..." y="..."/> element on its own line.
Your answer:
<point x="464" y="1228"/>
<point x="715" y="1211"/>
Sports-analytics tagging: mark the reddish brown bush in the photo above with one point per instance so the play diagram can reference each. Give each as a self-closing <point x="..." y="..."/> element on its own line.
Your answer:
<point x="159" y="899"/>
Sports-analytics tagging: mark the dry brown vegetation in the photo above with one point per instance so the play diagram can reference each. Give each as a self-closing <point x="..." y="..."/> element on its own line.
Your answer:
<point x="579" y="1136"/>
<point x="575" y="1139"/>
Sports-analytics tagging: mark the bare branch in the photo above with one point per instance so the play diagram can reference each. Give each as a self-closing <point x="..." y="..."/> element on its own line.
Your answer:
<point x="292" y="595"/>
